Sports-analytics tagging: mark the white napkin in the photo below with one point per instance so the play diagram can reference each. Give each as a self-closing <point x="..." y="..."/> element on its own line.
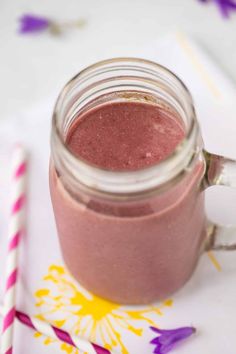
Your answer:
<point x="207" y="301"/>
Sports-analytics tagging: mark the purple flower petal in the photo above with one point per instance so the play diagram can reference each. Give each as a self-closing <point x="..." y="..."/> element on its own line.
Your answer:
<point x="157" y="350"/>
<point x="171" y="331"/>
<point x="163" y="349"/>
<point x="231" y="4"/>
<point x="225" y="6"/>
<point x="168" y="339"/>
<point x="30" y="23"/>
<point x="167" y="348"/>
<point x="157" y="330"/>
<point x="155" y="341"/>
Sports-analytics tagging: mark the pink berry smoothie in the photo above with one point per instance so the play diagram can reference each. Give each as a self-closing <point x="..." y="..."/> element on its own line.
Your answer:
<point x="129" y="251"/>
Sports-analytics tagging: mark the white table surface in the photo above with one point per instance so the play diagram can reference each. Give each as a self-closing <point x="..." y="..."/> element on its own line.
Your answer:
<point x="32" y="67"/>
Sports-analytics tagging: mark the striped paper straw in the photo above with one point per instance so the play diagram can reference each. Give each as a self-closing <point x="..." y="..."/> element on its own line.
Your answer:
<point x="18" y="174"/>
<point x="53" y="332"/>
<point x="57" y="333"/>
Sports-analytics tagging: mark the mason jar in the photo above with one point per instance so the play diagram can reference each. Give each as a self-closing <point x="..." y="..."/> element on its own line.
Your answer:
<point x="132" y="237"/>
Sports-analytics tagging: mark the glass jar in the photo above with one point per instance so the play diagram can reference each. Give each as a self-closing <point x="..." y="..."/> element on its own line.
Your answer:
<point x="133" y="236"/>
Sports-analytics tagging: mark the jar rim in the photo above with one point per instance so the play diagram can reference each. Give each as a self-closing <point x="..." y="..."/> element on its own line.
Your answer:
<point x="183" y="151"/>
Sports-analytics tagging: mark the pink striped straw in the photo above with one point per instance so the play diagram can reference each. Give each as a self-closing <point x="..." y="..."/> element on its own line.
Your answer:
<point x="57" y="333"/>
<point x="16" y="225"/>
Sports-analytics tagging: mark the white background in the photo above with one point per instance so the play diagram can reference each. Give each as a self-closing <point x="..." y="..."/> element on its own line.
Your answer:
<point x="32" y="67"/>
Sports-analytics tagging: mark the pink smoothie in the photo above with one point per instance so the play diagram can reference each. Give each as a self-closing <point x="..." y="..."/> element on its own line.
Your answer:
<point x="130" y="251"/>
<point x="125" y="136"/>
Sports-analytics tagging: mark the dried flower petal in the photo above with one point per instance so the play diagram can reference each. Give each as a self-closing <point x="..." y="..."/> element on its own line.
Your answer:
<point x="31" y="23"/>
<point x="225" y="6"/>
<point x="168" y="339"/>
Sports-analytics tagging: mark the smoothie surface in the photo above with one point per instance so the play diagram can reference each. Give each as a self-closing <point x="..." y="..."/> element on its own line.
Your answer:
<point x="125" y="135"/>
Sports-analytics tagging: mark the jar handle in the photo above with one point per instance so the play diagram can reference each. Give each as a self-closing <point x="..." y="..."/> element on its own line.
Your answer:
<point x="220" y="171"/>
